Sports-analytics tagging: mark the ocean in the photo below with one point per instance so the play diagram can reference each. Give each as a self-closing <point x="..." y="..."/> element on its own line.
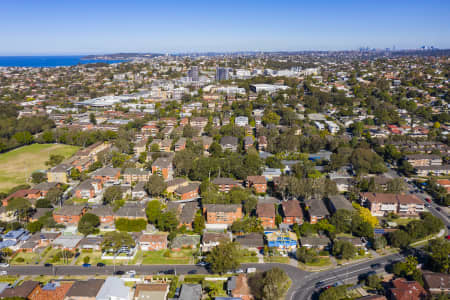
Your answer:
<point x="48" y="61"/>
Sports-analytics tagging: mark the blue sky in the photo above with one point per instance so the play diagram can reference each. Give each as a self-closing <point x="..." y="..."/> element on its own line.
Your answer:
<point x="82" y="27"/>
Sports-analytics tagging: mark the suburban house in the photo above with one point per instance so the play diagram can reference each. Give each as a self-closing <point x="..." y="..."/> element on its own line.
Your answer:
<point x="185" y="212"/>
<point x="381" y="204"/>
<point x="31" y="194"/>
<point x="67" y="242"/>
<point x="131" y="211"/>
<point x="212" y="239"/>
<point x="424" y="160"/>
<point x="337" y="202"/>
<point x="104" y="212"/>
<point x="91" y="242"/>
<point x="140" y="146"/>
<point x="254" y="240"/>
<point x="163" y="167"/>
<point x="88" y="189"/>
<point x="59" y="173"/>
<point x="283" y="240"/>
<point x="248" y="142"/>
<point x="292" y="212"/>
<point x="241" y="121"/>
<point x="262" y="143"/>
<point x="435" y="170"/>
<point x="139" y="191"/>
<point x="150" y="242"/>
<point x="225" y="184"/>
<point x="190" y="292"/>
<point x="436" y="283"/>
<point x="55" y="290"/>
<point x="27" y="290"/>
<point x="199" y="122"/>
<point x="131" y="175"/>
<point x="229" y="143"/>
<point x="320" y="242"/>
<point x="180" y="144"/>
<point x="44" y="187"/>
<point x="107" y="174"/>
<point x="157" y="291"/>
<point x="69" y="214"/>
<point x="175" y="183"/>
<point x="84" y="290"/>
<point x="266" y="213"/>
<point x="114" y="288"/>
<point x="222" y="213"/>
<point x="206" y="141"/>
<point x="403" y="289"/>
<point x="185" y="241"/>
<point x="316" y="210"/>
<point x="188" y="192"/>
<point x="237" y="286"/>
<point x="259" y="183"/>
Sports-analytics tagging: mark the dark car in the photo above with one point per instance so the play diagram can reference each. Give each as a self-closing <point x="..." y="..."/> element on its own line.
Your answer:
<point x="170" y="272"/>
<point x="192" y="272"/>
<point x="120" y="272"/>
<point x="375" y="266"/>
<point x="100" y="265"/>
<point x="86" y="265"/>
<point x="48" y="265"/>
<point x="320" y="284"/>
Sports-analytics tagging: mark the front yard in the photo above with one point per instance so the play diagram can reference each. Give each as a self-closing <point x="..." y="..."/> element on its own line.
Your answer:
<point x="25" y="258"/>
<point x="276" y="259"/>
<point x="53" y="256"/>
<point x="167" y="257"/>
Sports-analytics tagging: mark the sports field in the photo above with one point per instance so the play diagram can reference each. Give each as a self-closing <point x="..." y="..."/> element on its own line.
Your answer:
<point x="17" y="165"/>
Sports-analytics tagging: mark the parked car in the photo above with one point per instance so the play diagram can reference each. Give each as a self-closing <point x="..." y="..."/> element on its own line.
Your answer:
<point x="319" y="284"/>
<point x="375" y="266"/>
<point x="3" y="273"/>
<point x="4" y="265"/>
<point x="48" y="265"/>
<point x="131" y="272"/>
<point x="192" y="272"/>
<point x="120" y="272"/>
<point x="202" y="264"/>
<point x="86" y="265"/>
<point x="100" y="265"/>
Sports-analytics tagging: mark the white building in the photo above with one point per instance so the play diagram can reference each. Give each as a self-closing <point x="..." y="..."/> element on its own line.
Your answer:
<point x="241" y="121"/>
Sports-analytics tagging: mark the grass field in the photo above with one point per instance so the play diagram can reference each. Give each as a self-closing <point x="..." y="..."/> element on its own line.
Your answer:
<point x="175" y="257"/>
<point x="17" y="165"/>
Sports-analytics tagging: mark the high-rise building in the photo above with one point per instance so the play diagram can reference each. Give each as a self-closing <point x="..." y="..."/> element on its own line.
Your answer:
<point x="193" y="73"/>
<point x="222" y="74"/>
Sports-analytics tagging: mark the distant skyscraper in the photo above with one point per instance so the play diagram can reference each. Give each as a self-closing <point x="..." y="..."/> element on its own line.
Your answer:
<point x="193" y="73"/>
<point x="221" y="74"/>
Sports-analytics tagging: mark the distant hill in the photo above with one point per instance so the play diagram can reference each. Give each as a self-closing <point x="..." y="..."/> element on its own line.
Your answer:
<point x="122" y="56"/>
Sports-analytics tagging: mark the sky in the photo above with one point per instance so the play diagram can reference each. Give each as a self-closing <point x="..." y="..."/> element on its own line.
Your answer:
<point x="46" y="27"/>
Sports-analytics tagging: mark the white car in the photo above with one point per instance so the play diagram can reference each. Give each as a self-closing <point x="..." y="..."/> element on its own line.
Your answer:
<point x="3" y="273"/>
<point x="4" y="265"/>
<point x="131" y="272"/>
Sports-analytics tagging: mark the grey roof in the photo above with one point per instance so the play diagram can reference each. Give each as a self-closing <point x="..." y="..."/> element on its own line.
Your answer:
<point x="317" y="208"/>
<point x="162" y="162"/>
<point x="222" y="207"/>
<point x="209" y="237"/>
<point x="187" y="188"/>
<point x="41" y="212"/>
<point x="67" y="241"/>
<point x="190" y="292"/>
<point x="135" y="171"/>
<point x="69" y="210"/>
<point x="315" y="241"/>
<point x="131" y="211"/>
<point x="340" y="202"/>
<point x="185" y="240"/>
<point x="106" y="171"/>
<point x="102" y="211"/>
<point x="229" y="140"/>
<point x="188" y="212"/>
<point x="231" y="283"/>
<point x="113" y="288"/>
<point x="176" y="181"/>
<point x="251" y="240"/>
<point x="89" y="288"/>
<point x="61" y="168"/>
<point x="224" y="180"/>
<point x="45" y="186"/>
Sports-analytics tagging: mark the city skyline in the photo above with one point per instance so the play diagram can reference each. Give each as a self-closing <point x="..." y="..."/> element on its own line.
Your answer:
<point x="54" y="28"/>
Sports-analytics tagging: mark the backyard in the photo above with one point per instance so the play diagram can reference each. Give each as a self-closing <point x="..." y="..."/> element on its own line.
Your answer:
<point x="16" y="166"/>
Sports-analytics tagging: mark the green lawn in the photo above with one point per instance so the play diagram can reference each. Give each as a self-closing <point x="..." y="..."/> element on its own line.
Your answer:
<point x="173" y="258"/>
<point x="276" y="259"/>
<point x="321" y="262"/>
<point x="16" y="166"/>
<point x="95" y="258"/>
<point x="29" y="259"/>
<point x="49" y="258"/>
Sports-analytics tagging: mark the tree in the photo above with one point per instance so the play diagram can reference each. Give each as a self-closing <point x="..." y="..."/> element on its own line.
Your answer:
<point x="88" y="224"/>
<point x="224" y="257"/>
<point x="306" y="255"/>
<point x="366" y="215"/>
<point x="153" y="211"/>
<point x="55" y="159"/>
<point x="396" y="185"/>
<point x="399" y="239"/>
<point x="438" y="250"/>
<point x="275" y="284"/>
<point x="38" y="177"/>
<point x="34" y="226"/>
<point x="124" y="224"/>
<point x="373" y="281"/>
<point x="92" y="119"/>
<point x="167" y="221"/>
<point x="54" y="194"/>
<point x="155" y="185"/>
<point x="247" y="224"/>
<point x="271" y="117"/>
<point x="334" y="293"/>
<point x="43" y="203"/>
<point x="75" y="174"/>
<point x="86" y="259"/>
<point x="343" y="249"/>
<point x="199" y="224"/>
<point x="112" y="194"/>
<point x="114" y="240"/>
<point x="379" y="242"/>
<point x="20" y="206"/>
<point x="342" y="220"/>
